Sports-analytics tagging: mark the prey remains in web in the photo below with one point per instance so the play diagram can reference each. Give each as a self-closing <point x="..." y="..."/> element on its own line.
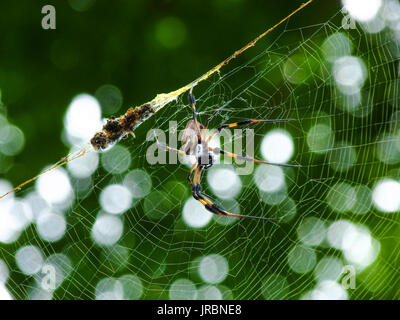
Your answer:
<point x="119" y="128"/>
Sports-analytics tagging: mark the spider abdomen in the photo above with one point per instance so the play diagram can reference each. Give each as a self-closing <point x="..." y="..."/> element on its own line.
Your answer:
<point x="204" y="158"/>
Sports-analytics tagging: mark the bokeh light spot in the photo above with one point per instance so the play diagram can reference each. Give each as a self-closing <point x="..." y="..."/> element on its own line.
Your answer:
<point x="224" y="182"/>
<point x="385" y="195"/>
<point x="183" y="289"/>
<point x="82" y="119"/>
<point x="360" y="249"/>
<point x="274" y="198"/>
<point x="388" y="148"/>
<point x="342" y="156"/>
<point x="362" y="10"/>
<point x="311" y="231"/>
<point x="115" y="199"/>
<point x="58" y="263"/>
<point x="84" y="167"/>
<point x="55" y="186"/>
<point x="363" y="200"/>
<point x="4" y="293"/>
<point x="110" y="98"/>
<point x="116" y="160"/>
<point x="170" y="32"/>
<point x="349" y="73"/>
<point x="107" y="230"/>
<point x="29" y="259"/>
<point x="109" y="289"/>
<point x="195" y="215"/>
<point x="328" y="290"/>
<point x="337" y="231"/>
<point x="328" y="268"/>
<point x="51" y="226"/>
<point x="209" y="293"/>
<point x="132" y="286"/>
<point x="277" y="146"/>
<point x="337" y="45"/>
<point x="12" y="140"/>
<point x="320" y="138"/>
<point x="341" y="197"/>
<point x="269" y="178"/>
<point x="274" y="287"/>
<point x="301" y="259"/>
<point x="138" y="183"/>
<point x="4" y="272"/>
<point x="213" y="268"/>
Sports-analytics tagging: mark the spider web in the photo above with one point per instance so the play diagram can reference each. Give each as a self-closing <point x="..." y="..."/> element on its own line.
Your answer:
<point x="330" y="216"/>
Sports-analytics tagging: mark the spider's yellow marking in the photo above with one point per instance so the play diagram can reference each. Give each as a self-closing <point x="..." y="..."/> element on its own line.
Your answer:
<point x="212" y="136"/>
<point x="230" y="154"/>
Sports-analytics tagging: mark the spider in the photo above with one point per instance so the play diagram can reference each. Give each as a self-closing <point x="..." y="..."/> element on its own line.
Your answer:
<point x="195" y="143"/>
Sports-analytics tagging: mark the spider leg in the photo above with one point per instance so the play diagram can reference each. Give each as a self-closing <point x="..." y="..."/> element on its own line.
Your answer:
<point x="244" y="122"/>
<point x="192" y="101"/>
<point x="249" y="159"/>
<point x="166" y="147"/>
<point x="209" y="205"/>
<point x="212" y="116"/>
<point x="190" y="173"/>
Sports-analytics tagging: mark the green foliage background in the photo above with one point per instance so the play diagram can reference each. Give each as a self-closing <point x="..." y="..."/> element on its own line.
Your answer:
<point x="143" y="47"/>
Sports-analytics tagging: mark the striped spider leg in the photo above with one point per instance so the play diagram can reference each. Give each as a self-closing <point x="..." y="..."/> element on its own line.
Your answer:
<point x="194" y="144"/>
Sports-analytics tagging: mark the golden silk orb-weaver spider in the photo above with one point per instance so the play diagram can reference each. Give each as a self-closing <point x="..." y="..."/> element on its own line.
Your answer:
<point x="196" y="144"/>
